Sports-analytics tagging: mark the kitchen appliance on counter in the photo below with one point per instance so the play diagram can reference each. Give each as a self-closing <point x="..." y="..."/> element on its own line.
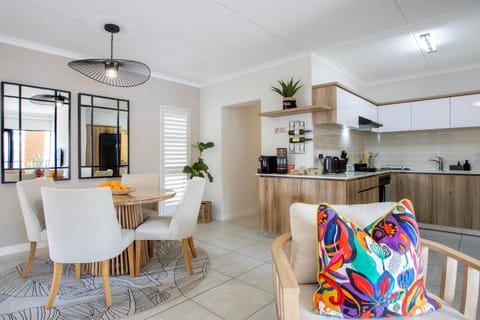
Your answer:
<point x="282" y="163"/>
<point x="334" y="165"/>
<point x="268" y="164"/>
<point x="363" y="167"/>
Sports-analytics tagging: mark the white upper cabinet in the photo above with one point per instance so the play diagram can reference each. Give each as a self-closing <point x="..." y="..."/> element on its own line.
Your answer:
<point x="431" y="114"/>
<point x="395" y="117"/>
<point x="347" y="106"/>
<point x="350" y="107"/>
<point x="463" y="113"/>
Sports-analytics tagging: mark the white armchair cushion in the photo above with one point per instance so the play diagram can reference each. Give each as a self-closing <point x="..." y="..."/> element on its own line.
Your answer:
<point x="303" y="227"/>
<point x="307" y="290"/>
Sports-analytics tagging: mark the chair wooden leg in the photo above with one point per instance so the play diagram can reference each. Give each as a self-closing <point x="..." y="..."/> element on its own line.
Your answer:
<point x="31" y="255"/>
<point x="151" y="246"/>
<point x="131" y="259"/>
<point x="106" y="282"/>
<point x="57" y="276"/>
<point x="186" y="255"/>
<point x="138" y="254"/>
<point x="192" y="247"/>
<point x="78" y="271"/>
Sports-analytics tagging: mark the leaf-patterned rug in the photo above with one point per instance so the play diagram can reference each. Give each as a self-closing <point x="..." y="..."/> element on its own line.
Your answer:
<point x="163" y="278"/>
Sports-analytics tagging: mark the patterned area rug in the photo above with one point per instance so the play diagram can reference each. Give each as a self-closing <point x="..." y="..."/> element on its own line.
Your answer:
<point x="163" y="278"/>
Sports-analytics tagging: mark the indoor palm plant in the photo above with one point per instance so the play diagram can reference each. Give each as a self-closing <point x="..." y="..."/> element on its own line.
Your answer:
<point x="287" y="90"/>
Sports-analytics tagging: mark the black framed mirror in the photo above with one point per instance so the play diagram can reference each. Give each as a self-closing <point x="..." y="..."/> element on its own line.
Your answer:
<point x="103" y="138"/>
<point x="35" y="132"/>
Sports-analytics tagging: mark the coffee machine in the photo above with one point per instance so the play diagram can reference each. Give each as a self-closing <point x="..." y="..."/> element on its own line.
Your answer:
<point x="268" y="164"/>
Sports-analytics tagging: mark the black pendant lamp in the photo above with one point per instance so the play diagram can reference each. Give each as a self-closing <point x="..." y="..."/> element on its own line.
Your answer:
<point x="114" y="72"/>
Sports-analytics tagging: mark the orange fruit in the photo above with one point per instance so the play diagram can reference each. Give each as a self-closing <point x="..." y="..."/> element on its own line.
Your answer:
<point x="105" y="184"/>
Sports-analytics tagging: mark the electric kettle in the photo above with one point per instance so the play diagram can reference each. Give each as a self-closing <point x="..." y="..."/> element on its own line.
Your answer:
<point x="330" y="164"/>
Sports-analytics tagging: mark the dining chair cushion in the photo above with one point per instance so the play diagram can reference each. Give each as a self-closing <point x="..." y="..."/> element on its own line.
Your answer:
<point x="372" y="272"/>
<point x="157" y="228"/>
<point x="82" y="225"/>
<point x="303" y="228"/>
<point x="30" y="198"/>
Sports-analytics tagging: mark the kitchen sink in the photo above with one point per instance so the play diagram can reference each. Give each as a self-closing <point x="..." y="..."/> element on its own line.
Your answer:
<point x="395" y="168"/>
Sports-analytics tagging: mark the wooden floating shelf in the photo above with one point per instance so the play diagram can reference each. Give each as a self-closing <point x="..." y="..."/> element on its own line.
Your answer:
<point x="287" y="112"/>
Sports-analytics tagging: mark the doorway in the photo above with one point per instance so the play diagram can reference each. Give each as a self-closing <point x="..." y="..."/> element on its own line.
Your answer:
<point x="241" y="147"/>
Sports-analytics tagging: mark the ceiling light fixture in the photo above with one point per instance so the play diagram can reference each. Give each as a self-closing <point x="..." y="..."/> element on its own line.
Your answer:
<point x="48" y="99"/>
<point x="427" y="43"/>
<point x="114" y="72"/>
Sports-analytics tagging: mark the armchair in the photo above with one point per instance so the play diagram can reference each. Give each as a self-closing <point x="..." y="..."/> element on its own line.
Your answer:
<point x="294" y="298"/>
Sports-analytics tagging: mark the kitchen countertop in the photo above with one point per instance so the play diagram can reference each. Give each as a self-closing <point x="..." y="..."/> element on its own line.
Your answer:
<point x="361" y="174"/>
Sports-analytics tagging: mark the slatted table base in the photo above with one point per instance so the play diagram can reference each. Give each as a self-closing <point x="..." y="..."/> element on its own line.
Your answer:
<point x="129" y="216"/>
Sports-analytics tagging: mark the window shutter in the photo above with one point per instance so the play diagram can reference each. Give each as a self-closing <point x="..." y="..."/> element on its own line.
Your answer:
<point x="175" y="153"/>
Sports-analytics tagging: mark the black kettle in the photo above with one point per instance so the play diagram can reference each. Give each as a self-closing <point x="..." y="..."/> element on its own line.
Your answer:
<point x="330" y="164"/>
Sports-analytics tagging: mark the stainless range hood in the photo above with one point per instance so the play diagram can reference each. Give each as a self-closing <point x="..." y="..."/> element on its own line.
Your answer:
<point x="365" y="124"/>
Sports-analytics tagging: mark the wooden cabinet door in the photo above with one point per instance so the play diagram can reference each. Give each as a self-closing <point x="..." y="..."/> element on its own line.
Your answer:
<point x="395" y="117"/>
<point x="276" y="196"/>
<point x="362" y="190"/>
<point x="315" y="191"/>
<point x="418" y="188"/>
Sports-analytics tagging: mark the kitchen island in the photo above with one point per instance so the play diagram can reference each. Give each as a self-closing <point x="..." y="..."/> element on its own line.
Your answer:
<point x="446" y="198"/>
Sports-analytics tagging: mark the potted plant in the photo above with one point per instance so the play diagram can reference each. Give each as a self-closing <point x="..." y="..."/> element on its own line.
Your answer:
<point x="200" y="169"/>
<point x="287" y="90"/>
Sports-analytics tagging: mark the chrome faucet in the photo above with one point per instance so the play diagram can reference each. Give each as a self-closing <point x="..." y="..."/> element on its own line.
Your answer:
<point x="439" y="160"/>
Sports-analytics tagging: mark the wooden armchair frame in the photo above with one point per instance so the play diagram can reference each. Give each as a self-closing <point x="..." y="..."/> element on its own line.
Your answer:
<point x="287" y="291"/>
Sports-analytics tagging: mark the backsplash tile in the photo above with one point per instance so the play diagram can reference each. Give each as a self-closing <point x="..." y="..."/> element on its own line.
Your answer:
<point x="412" y="148"/>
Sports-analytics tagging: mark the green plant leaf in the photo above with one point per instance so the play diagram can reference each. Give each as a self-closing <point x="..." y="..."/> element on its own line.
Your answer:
<point x="187" y="169"/>
<point x="210" y="178"/>
<point x="287" y="89"/>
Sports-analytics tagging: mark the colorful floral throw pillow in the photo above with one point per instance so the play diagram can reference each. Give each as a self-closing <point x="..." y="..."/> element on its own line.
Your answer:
<point x="371" y="272"/>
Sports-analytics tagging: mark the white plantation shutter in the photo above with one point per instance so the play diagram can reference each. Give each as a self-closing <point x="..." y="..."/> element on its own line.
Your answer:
<point x="175" y="153"/>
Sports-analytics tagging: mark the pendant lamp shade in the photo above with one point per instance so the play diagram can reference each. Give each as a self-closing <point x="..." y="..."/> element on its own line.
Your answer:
<point x="114" y="72"/>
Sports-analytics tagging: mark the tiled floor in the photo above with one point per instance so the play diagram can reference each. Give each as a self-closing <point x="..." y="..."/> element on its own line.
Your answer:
<point x="239" y="283"/>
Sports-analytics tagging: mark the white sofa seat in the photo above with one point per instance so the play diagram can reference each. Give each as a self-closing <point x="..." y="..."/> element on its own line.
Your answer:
<point x="307" y="290"/>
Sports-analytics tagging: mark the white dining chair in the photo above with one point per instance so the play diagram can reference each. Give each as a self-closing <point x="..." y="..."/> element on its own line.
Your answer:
<point x="144" y="180"/>
<point x="30" y="198"/>
<point x="82" y="227"/>
<point x="180" y="226"/>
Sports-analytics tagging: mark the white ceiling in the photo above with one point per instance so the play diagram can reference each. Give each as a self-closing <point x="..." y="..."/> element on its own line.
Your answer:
<point x="203" y="41"/>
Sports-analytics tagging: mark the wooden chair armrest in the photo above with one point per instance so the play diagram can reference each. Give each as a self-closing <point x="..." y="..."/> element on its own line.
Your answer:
<point x="471" y="276"/>
<point x="284" y="282"/>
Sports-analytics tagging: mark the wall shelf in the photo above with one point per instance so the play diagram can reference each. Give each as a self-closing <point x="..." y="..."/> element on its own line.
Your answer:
<point x="288" y="112"/>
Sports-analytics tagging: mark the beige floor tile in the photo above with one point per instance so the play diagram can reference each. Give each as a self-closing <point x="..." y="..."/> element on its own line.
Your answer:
<point x="212" y="251"/>
<point x="213" y="279"/>
<point x="267" y="313"/>
<point x="234" y="300"/>
<point x="260" y="277"/>
<point x="470" y="245"/>
<point x="187" y="310"/>
<point x="232" y="242"/>
<point x="233" y="264"/>
<point x="258" y="250"/>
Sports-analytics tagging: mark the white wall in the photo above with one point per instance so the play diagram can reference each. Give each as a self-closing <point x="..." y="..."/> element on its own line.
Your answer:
<point x="252" y="87"/>
<point x="34" y="68"/>
<point x="324" y="73"/>
<point x="241" y="135"/>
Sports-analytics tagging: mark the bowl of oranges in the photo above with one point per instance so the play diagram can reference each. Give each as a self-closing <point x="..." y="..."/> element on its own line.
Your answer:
<point x="117" y="187"/>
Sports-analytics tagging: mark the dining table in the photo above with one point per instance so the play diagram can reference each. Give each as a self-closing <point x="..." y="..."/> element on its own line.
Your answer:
<point x="129" y="213"/>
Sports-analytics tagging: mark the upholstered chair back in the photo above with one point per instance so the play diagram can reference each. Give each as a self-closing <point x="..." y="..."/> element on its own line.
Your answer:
<point x="81" y="225"/>
<point x="141" y="180"/>
<point x="185" y="217"/>
<point x="30" y="198"/>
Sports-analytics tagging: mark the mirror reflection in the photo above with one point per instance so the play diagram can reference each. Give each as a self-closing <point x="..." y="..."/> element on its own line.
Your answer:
<point x="35" y="132"/>
<point x="103" y="136"/>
